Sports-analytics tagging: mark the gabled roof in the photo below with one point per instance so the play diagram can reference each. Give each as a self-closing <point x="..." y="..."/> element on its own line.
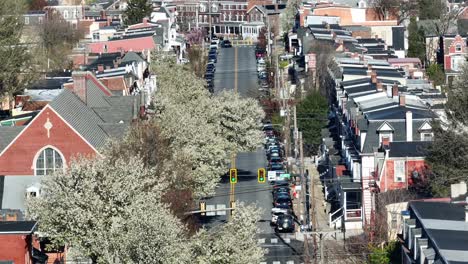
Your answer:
<point x="81" y="117"/>
<point x="385" y="127"/>
<point x="7" y="134"/>
<point x="17" y="227"/>
<point x="138" y="43"/>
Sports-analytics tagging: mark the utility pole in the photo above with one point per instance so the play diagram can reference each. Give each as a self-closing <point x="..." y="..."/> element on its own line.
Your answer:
<point x="296" y="135"/>
<point x="209" y="19"/>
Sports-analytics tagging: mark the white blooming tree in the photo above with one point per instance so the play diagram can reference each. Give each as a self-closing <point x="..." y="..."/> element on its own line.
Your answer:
<point x="110" y="211"/>
<point x="234" y="242"/>
<point x="208" y="129"/>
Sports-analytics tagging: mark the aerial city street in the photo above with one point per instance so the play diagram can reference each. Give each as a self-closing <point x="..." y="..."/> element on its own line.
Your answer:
<point x="233" y="132"/>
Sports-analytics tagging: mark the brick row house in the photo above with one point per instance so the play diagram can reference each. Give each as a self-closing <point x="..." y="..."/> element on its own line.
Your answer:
<point x="382" y="132"/>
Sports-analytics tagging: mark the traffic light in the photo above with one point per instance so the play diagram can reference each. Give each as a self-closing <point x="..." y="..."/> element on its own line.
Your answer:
<point x="203" y="208"/>
<point x="261" y="175"/>
<point x="233" y="175"/>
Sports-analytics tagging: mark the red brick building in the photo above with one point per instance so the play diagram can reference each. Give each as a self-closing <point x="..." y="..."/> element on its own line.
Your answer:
<point x="403" y="165"/>
<point x="78" y="122"/>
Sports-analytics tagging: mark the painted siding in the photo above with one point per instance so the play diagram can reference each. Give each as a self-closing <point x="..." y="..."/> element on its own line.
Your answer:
<point x="18" y="159"/>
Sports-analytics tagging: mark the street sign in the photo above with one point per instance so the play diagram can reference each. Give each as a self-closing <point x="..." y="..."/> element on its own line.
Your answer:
<point x="285" y="176"/>
<point x="220" y="207"/>
<point x="271" y="175"/>
<point x="311" y="61"/>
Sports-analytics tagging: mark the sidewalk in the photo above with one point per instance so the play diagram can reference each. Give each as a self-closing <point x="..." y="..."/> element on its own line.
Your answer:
<point x="319" y="220"/>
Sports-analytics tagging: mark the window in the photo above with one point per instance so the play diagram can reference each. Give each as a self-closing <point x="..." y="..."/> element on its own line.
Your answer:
<point x="48" y="161"/>
<point x="458" y="48"/>
<point x="399" y="170"/>
<point x="426" y="136"/>
<point x="65" y="14"/>
<point x="387" y="135"/>
<point x="26" y="20"/>
<point x="394" y="221"/>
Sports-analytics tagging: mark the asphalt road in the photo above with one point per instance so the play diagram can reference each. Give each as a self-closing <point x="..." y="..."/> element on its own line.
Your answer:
<point x="236" y="70"/>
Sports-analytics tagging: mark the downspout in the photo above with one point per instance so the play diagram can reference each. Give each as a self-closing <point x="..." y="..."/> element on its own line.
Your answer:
<point x="406" y="172"/>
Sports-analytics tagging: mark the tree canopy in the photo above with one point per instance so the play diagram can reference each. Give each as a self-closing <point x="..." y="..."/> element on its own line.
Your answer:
<point x="136" y="11"/>
<point x="448" y="156"/>
<point x="416" y="41"/>
<point x="311" y="118"/>
<point x="206" y="129"/>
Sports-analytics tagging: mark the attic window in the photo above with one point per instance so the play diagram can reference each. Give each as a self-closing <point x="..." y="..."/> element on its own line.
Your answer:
<point x="458" y="48"/>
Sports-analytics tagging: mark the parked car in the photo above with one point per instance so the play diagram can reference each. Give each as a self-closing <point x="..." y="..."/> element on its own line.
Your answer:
<point x="279" y="188"/>
<point x="276" y="160"/>
<point x="226" y="44"/>
<point x="262" y="75"/>
<point x="210" y="67"/>
<point x="209" y="76"/>
<point x="285" y="223"/>
<point x="276" y="167"/>
<point x="283" y="201"/>
<point x="276" y="212"/>
<point x="261" y="67"/>
<point x="213" y="58"/>
<point x="214" y="45"/>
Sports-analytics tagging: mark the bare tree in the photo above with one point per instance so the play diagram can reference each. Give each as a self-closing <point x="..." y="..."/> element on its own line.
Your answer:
<point x="57" y="38"/>
<point x="17" y="69"/>
<point x="399" y="9"/>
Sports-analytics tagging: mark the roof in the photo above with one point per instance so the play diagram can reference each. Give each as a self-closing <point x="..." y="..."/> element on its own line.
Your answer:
<point x="17" y="227"/>
<point x="93" y="120"/>
<point x="445" y="225"/>
<point x="82" y="118"/>
<point x="12" y="193"/>
<point x="409" y="149"/>
<point x="7" y="134"/>
<point x="138" y="43"/>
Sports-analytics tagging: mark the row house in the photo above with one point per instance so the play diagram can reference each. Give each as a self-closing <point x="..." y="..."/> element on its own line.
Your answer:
<point x="382" y="136"/>
<point x="454" y="51"/>
<point x="434" y="232"/>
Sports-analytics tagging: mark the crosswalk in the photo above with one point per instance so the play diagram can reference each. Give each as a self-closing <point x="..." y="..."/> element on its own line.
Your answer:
<point x="280" y="262"/>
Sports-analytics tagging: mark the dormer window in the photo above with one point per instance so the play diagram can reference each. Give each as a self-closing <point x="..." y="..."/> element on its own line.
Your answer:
<point x="426" y="132"/>
<point x="385" y="133"/>
<point x="458" y="48"/>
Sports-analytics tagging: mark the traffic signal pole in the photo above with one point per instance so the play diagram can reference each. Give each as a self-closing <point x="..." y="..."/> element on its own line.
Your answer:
<point x="232" y="192"/>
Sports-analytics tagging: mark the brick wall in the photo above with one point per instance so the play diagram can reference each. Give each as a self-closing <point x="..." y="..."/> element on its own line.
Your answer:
<point x="18" y="159"/>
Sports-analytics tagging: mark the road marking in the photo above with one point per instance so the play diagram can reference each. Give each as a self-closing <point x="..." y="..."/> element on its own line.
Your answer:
<point x="287" y="240"/>
<point x="290" y="262"/>
<point x="274" y="240"/>
<point x="276" y="262"/>
<point x="235" y="70"/>
<point x="261" y="240"/>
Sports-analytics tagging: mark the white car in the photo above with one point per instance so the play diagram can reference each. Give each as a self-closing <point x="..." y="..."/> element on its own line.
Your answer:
<point x="184" y="61"/>
<point x="276" y="212"/>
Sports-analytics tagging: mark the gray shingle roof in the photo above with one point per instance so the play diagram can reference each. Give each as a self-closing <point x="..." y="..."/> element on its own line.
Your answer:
<point x="7" y="134"/>
<point x="399" y="133"/>
<point x="409" y="149"/>
<point x="81" y="117"/>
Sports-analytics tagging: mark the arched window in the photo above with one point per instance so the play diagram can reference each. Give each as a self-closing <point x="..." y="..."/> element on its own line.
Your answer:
<point x="47" y="161"/>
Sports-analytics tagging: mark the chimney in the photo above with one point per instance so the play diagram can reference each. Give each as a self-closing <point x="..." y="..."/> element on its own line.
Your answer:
<point x="327" y="26"/>
<point x="145" y="20"/>
<point x="276" y="7"/>
<point x="389" y="91"/>
<point x="100" y="68"/>
<point x="402" y="100"/>
<point x="373" y="76"/>
<point x="108" y="67"/>
<point x="409" y="126"/>
<point x="395" y="90"/>
<point x="102" y="13"/>
<point x="79" y="84"/>
<point x="333" y="35"/>
<point x="109" y="21"/>
<point x="379" y="87"/>
<point x="376" y="36"/>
